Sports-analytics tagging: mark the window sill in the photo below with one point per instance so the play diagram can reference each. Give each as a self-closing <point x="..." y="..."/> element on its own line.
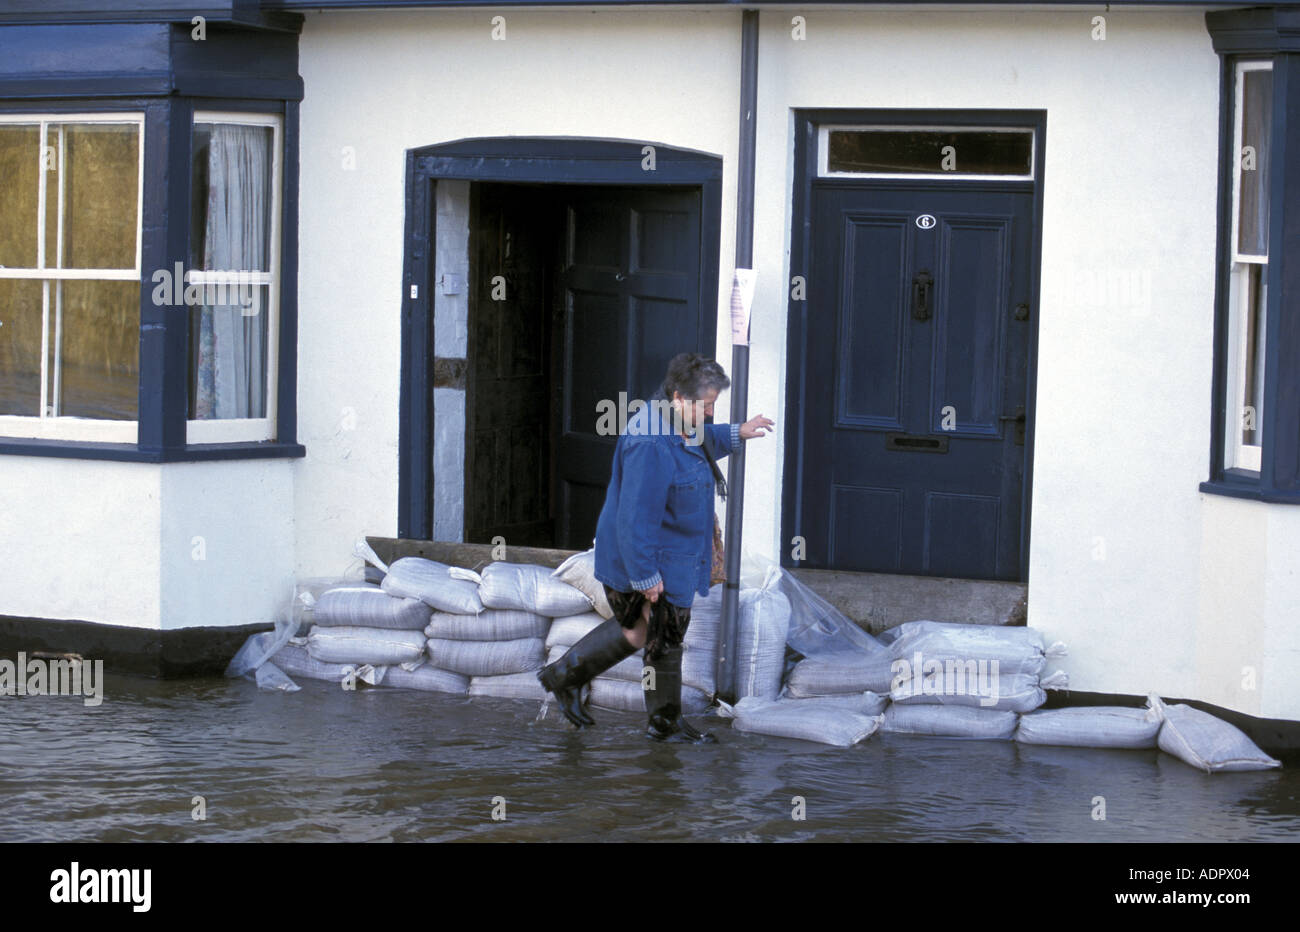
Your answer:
<point x="1236" y="488"/>
<point x="131" y="453"/>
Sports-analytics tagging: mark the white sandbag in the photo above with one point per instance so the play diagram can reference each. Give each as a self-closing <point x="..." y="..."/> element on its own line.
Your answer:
<point x="294" y="660"/>
<point x="358" y="645"/>
<point x="834" y="674"/>
<point x="488" y="658"/>
<point x="428" y="678"/>
<point x="435" y="584"/>
<point x="706" y="621"/>
<point x="972" y="685"/>
<point x="760" y="642"/>
<point x="508" y="686"/>
<point x="368" y="607"/>
<point x="805" y="720"/>
<point x="949" y="721"/>
<point x="307" y="591"/>
<point x="628" y="696"/>
<point x="529" y="588"/>
<point x="570" y="629"/>
<point x="579" y="571"/>
<point x="867" y="703"/>
<point x="1205" y="742"/>
<point x="1016" y="649"/>
<point x="1090" y="727"/>
<point x="488" y="625"/>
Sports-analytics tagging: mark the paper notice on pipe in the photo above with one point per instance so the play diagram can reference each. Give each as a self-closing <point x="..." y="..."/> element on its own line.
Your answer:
<point x="742" y="302"/>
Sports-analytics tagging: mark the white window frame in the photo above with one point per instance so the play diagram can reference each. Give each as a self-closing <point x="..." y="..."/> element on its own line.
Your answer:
<point x="823" y="151"/>
<point x="234" y="430"/>
<point x="45" y="425"/>
<point x="1238" y="455"/>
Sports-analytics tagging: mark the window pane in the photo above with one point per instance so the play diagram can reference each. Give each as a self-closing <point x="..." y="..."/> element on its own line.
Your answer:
<point x="231" y="198"/>
<point x="19" y="185"/>
<point x="99" y="349"/>
<point x="20" y="346"/>
<point x="973" y="152"/>
<point x="1253" y="380"/>
<point x="228" y="339"/>
<point x="101" y="165"/>
<point x="1256" y="133"/>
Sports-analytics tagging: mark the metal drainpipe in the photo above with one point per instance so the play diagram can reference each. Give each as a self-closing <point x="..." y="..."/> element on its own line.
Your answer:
<point x="726" y="670"/>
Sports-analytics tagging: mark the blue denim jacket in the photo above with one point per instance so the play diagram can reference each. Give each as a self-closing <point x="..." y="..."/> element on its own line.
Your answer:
<point x="657" y="522"/>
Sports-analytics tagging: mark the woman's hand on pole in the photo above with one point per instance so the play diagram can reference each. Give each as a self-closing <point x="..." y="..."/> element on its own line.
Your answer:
<point x="652" y="594"/>
<point x="755" y="427"/>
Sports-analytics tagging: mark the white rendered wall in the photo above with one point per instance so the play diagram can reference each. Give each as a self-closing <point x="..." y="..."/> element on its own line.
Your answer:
<point x="80" y="539"/>
<point x="227" y="542"/>
<point x="144" y="545"/>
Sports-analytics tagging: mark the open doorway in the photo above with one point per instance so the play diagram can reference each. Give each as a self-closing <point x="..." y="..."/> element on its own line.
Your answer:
<point x="576" y="294"/>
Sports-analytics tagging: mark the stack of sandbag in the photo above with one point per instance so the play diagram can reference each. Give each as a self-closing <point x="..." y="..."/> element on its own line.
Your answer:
<point x="841" y="721"/>
<point x="384" y="628"/>
<point x="501" y="647"/>
<point x="983" y="669"/>
<point x="1205" y="742"/>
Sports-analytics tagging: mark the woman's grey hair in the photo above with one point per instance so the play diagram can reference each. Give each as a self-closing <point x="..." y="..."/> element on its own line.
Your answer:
<point x="694" y="375"/>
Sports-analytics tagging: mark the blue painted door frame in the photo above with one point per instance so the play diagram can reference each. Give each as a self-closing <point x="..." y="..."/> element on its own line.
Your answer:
<point x="558" y="160"/>
<point x="829" y="446"/>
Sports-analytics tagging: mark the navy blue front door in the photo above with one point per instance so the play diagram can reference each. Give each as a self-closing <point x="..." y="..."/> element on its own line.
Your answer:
<point x="914" y="369"/>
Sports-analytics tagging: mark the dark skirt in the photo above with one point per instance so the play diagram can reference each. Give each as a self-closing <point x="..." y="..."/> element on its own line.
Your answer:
<point x="668" y="623"/>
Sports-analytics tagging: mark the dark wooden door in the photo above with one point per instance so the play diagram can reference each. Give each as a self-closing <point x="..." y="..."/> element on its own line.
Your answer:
<point x="509" y="402"/>
<point x="914" y="376"/>
<point x="629" y="293"/>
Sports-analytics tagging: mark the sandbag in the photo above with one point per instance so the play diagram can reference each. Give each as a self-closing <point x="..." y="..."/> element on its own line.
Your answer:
<point x="806" y="720"/>
<point x="358" y="645"/>
<point x="488" y="625"/>
<point x="1090" y="727"/>
<point x="1016" y="649"/>
<point x="760" y="642"/>
<point x="1015" y="692"/>
<point x="834" y="674"/>
<point x="295" y="660"/>
<point x="1205" y="742"/>
<point x="508" y="686"/>
<point x="368" y="607"/>
<point x="429" y="678"/>
<point x="445" y="588"/>
<point x="579" y="571"/>
<point x="949" y="721"/>
<point x="570" y="629"/>
<point x="528" y="588"/>
<point x="706" y="621"/>
<point x="306" y="591"/>
<point x="628" y="696"/>
<point x="867" y="703"/>
<point x="488" y="658"/>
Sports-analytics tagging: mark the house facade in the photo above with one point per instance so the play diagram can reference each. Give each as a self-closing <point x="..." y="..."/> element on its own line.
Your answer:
<point x="1026" y="299"/>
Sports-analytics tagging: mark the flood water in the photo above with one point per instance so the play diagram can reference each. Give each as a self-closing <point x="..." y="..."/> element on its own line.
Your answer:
<point x="382" y="764"/>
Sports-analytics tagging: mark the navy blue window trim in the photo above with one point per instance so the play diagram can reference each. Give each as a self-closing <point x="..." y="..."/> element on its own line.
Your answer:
<point x="274" y="87"/>
<point x="1271" y="34"/>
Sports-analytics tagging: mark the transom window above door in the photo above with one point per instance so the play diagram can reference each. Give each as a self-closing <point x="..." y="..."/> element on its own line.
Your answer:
<point x="970" y="153"/>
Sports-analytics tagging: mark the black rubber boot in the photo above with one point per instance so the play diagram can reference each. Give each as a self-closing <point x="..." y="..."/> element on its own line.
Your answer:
<point x="663" y="704"/>
<point x="603" y="647"/>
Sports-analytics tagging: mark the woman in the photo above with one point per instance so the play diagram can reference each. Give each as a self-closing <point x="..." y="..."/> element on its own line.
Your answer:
<point x="654" y="541"/>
